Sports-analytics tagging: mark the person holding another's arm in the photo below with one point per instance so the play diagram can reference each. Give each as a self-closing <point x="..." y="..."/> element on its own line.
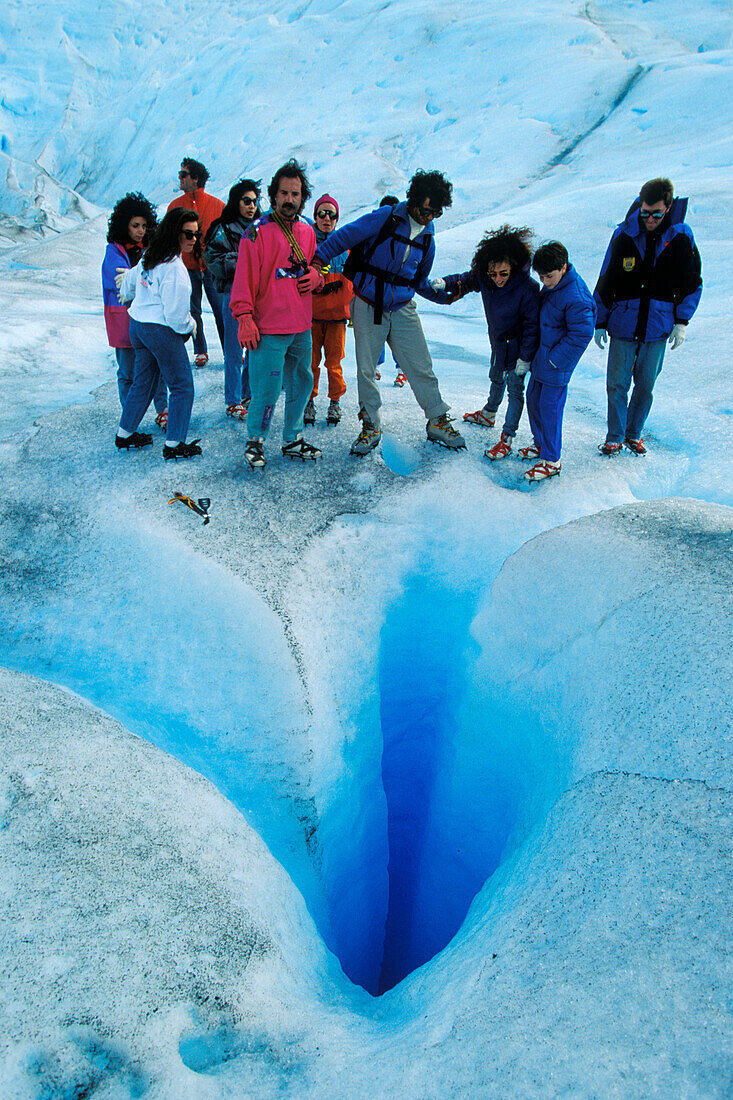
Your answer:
<point x="511" y="298"/>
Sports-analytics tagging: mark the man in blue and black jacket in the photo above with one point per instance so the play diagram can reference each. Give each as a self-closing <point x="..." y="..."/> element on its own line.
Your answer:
<point x="391" y="254"/>
<point x="649" y="288"/>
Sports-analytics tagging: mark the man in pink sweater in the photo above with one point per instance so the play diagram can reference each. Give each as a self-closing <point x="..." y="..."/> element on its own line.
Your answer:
<point x="272" y="300"/>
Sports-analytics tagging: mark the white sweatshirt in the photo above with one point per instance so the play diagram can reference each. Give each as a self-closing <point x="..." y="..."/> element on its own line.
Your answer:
<point x="162" y="296"/>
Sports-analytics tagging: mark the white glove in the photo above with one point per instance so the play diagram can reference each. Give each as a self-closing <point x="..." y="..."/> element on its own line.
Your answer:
<point x="677" y="336"/>
<point x="601" y="338"/>
<point x="437" y="284"/>
<point x="195" y="328"/>
<point x="119" y="277"/>
<point x="521" y="368"/>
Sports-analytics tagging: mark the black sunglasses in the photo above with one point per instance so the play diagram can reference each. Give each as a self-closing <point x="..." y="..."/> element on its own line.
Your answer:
<point x="656" y="214"/>
<point x="190" y="235"/>
<point x="327" y="214"/>
<point x="248" y="202"/>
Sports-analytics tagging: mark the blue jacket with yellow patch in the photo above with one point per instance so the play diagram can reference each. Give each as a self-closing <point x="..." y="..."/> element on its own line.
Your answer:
<point x="649" y="282"/>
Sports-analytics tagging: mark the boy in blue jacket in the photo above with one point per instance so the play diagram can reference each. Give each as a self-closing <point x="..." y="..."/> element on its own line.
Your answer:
<point x="567" y="321"/>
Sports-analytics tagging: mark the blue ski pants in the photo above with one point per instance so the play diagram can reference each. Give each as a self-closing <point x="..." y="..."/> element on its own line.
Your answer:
<point x="545" y="408"/>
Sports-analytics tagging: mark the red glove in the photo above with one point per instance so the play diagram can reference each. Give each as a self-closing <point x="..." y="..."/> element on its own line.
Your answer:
<point x="313" y="280"/>
<point x="249" y="334"/>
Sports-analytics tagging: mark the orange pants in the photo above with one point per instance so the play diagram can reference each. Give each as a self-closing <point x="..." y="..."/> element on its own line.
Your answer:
<point x="331" y="336"/>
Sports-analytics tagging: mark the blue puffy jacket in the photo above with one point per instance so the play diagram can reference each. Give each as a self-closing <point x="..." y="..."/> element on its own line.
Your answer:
<point x="512" y="313"/>
<point x="567" y="321"/>
<point x="649" y="282"/>
<point x="411" y="263"/>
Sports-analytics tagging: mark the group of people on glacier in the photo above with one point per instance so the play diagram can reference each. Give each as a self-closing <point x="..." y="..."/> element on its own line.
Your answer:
<point x="283" y="289"/>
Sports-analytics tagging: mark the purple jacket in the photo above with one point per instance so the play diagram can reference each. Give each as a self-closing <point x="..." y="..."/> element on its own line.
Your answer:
<point x="512" y="314"/>
<point x="115" y="315"/>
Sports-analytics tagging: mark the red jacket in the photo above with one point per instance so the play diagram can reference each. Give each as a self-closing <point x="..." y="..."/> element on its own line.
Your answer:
<point x="208" y="208"/>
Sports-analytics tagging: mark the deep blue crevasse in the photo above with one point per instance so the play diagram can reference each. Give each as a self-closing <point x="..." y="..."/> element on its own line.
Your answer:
<point x="466" y="776"/>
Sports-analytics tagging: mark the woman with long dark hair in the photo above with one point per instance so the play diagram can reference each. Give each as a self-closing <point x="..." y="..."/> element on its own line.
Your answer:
<point x="160" y="323"/>
<point x="222" y="248"/>
<point x="130" y="228"/>
<point x="511" y="299"/>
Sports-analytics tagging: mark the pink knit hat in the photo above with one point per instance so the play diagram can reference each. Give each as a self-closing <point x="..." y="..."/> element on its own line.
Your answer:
<point x="323" y="199"/>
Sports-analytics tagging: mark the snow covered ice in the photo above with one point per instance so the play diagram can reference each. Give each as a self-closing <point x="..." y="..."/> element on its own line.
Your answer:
<point x="389" y="726"/>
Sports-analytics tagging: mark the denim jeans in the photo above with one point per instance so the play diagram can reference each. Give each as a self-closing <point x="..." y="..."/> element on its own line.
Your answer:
<point x="125" y="374"/>
<point x="631" y="360"/>
<point x="159" y="351"/>
<point x="205" y="280"/>
<point x="545" y="407"/>
<point x="502" y="381"/>
<point x="236" y="372"/>
<point x="277" y="362"/>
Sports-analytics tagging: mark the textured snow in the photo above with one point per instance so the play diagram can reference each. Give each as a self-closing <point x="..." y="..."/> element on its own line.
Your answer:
<point x="397" y="694"/>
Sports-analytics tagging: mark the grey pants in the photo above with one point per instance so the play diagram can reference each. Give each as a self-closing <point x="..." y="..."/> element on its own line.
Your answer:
<point x="402" y="330"/>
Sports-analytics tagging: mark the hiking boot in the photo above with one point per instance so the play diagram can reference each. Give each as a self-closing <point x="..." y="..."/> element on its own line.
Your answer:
<point x="500" y="449"/>
<point x="299" y="448"/>
<point x="162" y="420"/>
<point x="482" y="417"/>
<point x="527" y="453"/>
<point x="440" y="431"/>
<point x="334" y="413"/>
<point x="137" y="440"/>
<point x="201" y="359"/>
<point x="609" y="448"/>
<point x="254" y="455"/>
<point x="400" y="379"/>
<point x="367" y="439"/>
<point x="636" y="446"/>
<point x="237" y="412"/>
<point x="542" y="470"/>
<point x="309" y="416"/>
<point x="182" y="450"/>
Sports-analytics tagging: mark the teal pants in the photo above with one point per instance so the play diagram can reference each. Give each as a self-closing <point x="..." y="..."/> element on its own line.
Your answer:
<point x="277" y="363"/>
